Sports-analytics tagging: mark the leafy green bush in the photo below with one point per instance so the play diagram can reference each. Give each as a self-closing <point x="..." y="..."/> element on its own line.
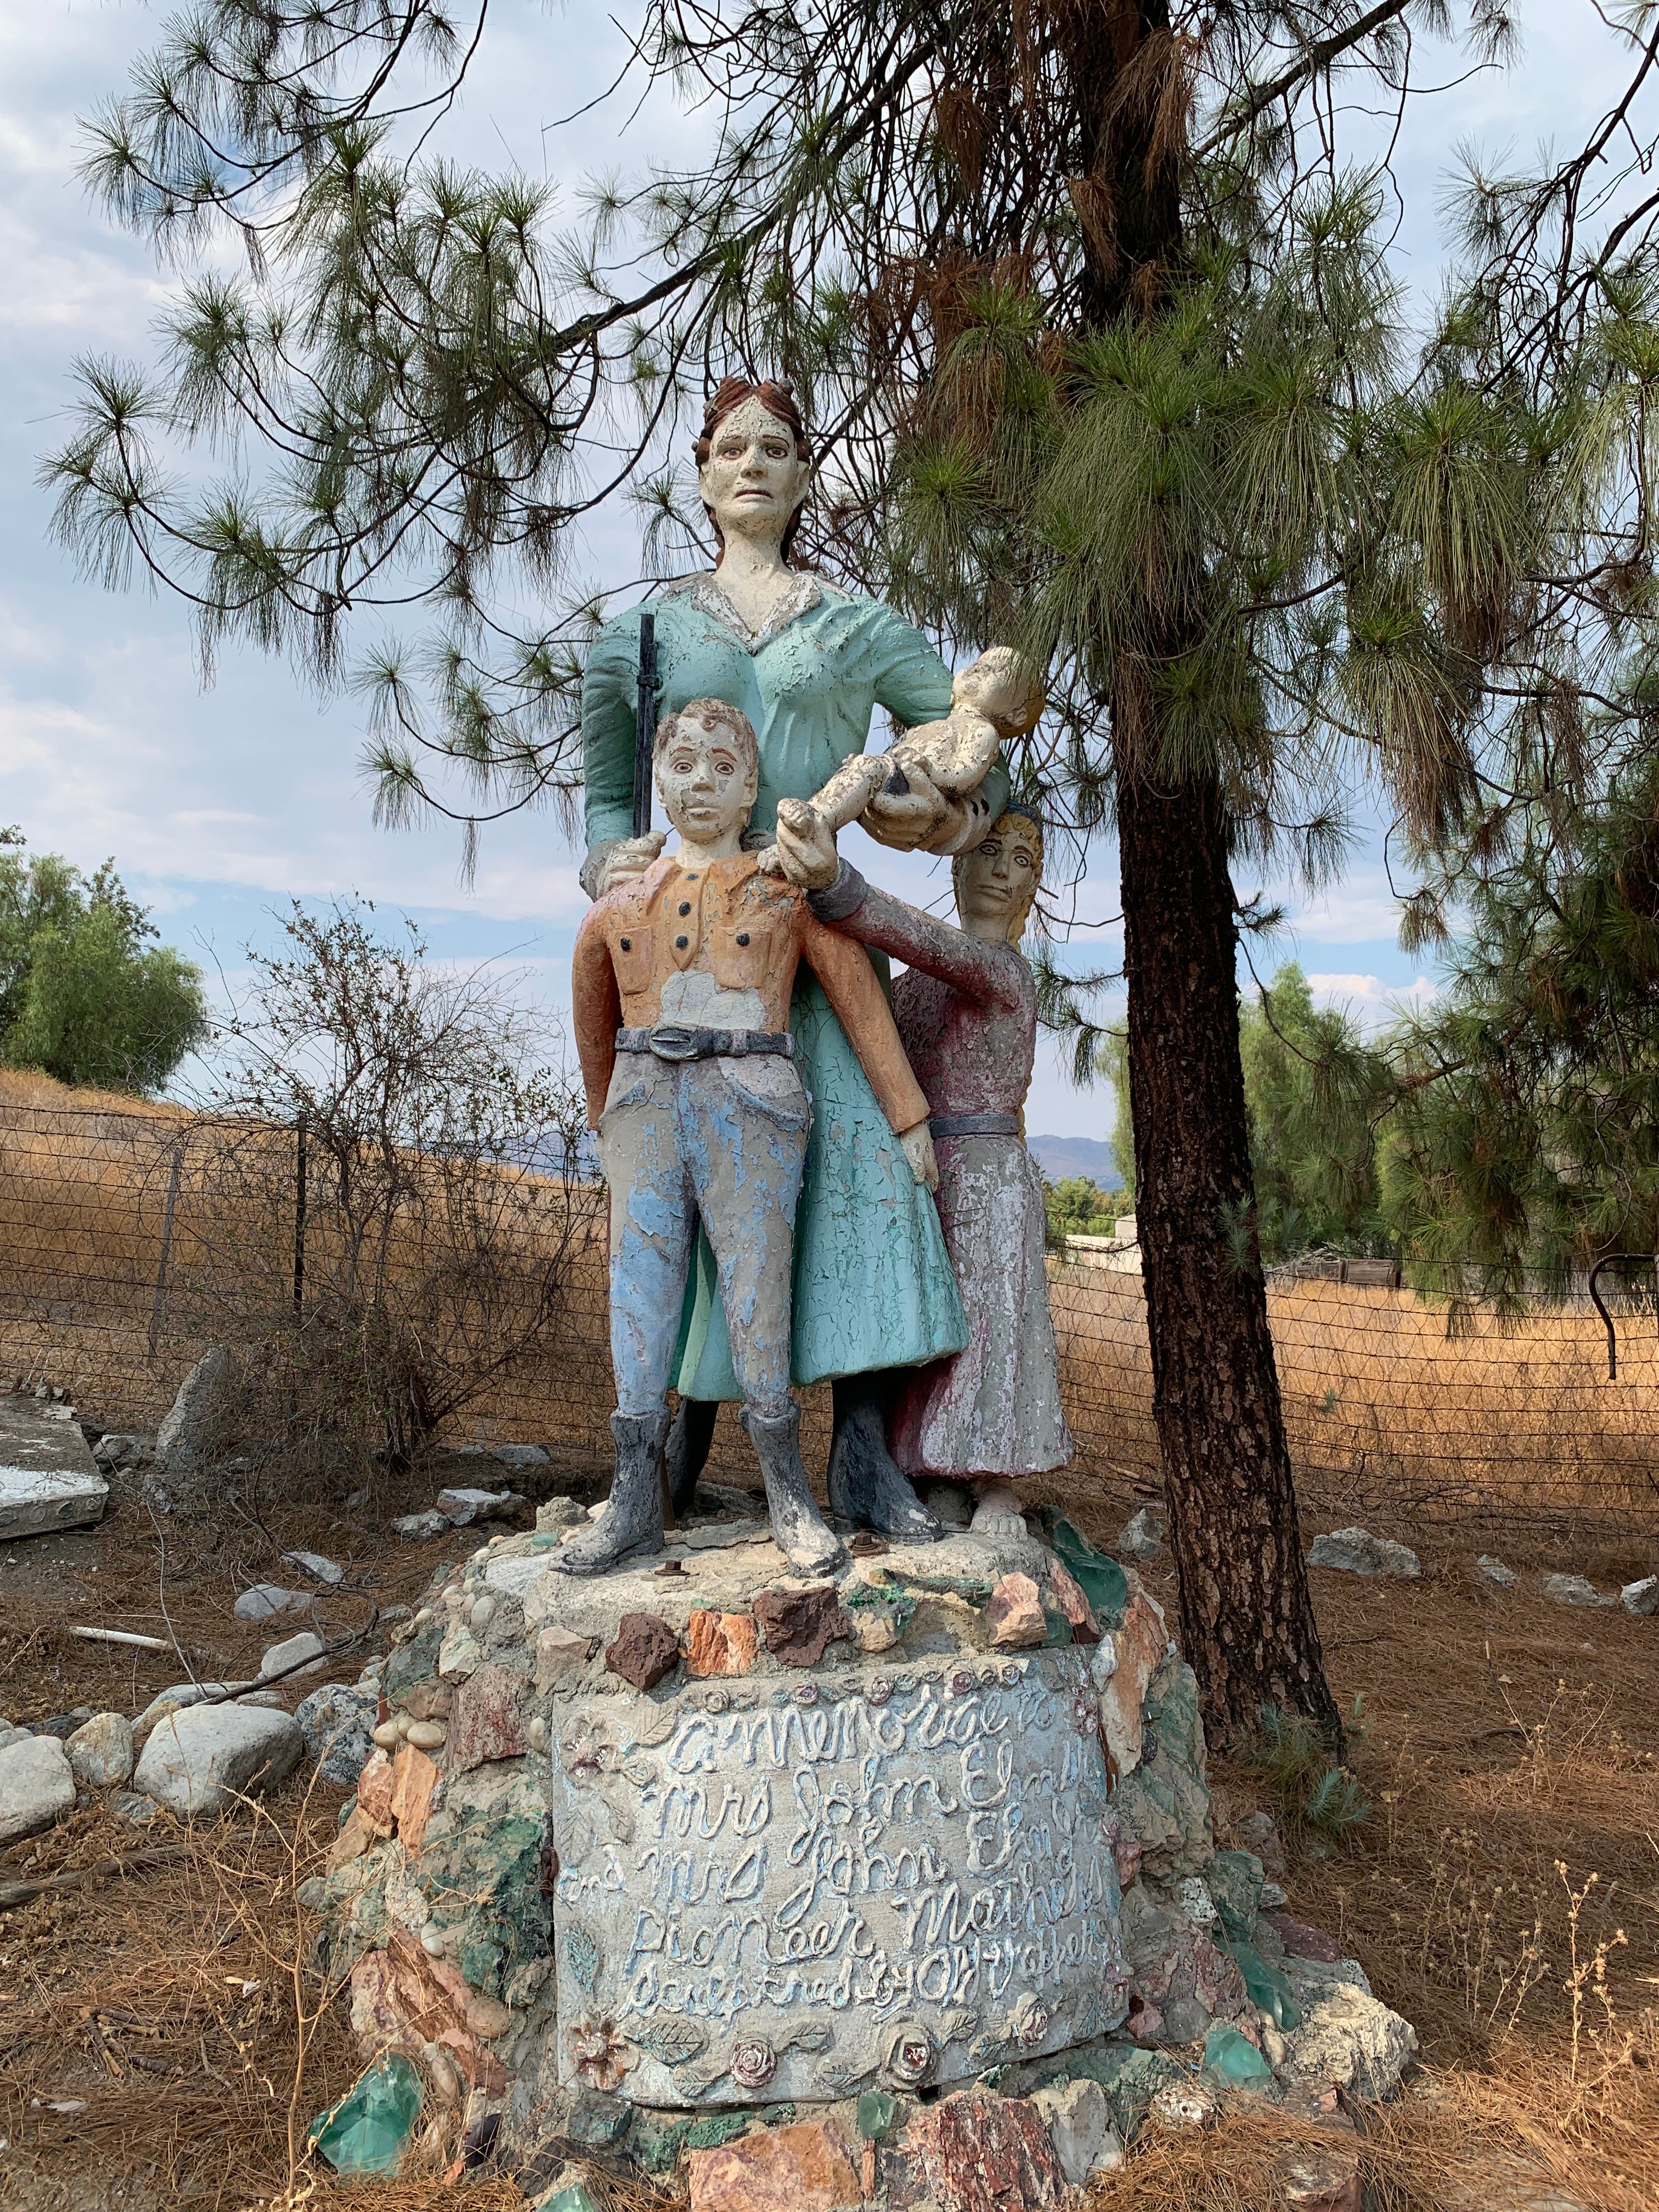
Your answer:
<point x="83" y="996"/>
<point x="1076" y="1207"/>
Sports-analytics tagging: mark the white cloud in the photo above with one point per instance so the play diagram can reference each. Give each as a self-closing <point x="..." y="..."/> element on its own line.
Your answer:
<point x="1369" y="999"/>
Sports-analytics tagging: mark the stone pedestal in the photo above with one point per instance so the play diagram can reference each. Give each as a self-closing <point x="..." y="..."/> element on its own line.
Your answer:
<point x="695" y="1836"/>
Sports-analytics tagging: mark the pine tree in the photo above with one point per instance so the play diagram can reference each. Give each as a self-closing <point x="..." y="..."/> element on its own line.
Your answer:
<point x="1101" y="341"/>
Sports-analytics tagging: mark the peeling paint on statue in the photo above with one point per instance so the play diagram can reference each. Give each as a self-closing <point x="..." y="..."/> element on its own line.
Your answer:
<point x="966" y="1010"/>
<point x="681" y="987"/>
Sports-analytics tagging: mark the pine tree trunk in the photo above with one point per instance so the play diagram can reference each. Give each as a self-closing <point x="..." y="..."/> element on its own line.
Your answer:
<point x="1247" y="1624"/>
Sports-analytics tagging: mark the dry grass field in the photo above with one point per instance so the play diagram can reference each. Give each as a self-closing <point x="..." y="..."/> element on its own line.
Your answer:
<point x="1392" y="1416"/>
<point x="161" y="2044"/>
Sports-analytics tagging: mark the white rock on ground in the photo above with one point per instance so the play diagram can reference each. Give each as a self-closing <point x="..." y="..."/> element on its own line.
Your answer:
<point x="1142" y="1536"/>
<point x="1357" y="1551"/>
<point x="1347" y="2036"/>
<point x="1573" y="1590"/>
<point x="461" y="1507"/>
<point x="1496" y="1571"/>
<point x="307" y="1644"/>
<point x="328" y="1572"/>
<point x="36" y="1786"/>
<point x="197" y="1758"/>
<point x="267" y="1600"/>
<point x="517" y="1456"/>
<point x="180" y="1695"/>
<point x="1641" y="1597"/>
<point x="184" y="1441"/>
<point x="48" y="1479"/>
<point x="101" y="1750"/>
<point x="415" y="1527"/>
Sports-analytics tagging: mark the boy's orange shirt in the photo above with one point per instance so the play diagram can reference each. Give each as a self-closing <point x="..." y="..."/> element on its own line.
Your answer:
<point x="749" y="931"/>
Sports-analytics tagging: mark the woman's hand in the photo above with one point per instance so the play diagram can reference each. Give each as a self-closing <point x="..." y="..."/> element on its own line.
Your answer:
<point x="806" y="847"/>
<point x="628" y="856"/>
<point x="916" y="1143"/>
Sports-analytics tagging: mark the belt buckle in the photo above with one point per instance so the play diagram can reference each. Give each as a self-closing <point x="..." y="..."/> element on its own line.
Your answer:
<point x="675" y="1042"/>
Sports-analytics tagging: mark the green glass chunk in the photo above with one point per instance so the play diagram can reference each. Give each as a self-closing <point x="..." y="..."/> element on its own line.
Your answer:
<point x="1233" y="2058"/>
<point x="877" y="2113"/>
<point x="1268" y="1988"/>
<point x="1101" y="1581"/>
<point x="366" y="2131"/>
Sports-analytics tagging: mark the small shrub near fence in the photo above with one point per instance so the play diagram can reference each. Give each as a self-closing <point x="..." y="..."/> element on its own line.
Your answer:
<point x="132" y="1237"/>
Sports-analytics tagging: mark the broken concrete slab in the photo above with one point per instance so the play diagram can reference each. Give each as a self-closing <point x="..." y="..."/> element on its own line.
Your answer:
<point x="49" y="1480"/>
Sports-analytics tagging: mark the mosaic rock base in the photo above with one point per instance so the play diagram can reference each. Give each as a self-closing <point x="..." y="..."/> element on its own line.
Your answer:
<point x="848" y="1842"/>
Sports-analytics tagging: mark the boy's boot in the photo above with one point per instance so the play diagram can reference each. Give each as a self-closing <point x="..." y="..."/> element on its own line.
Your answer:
<point x="632" y="1520"/>
<point x="799" y="1528"/>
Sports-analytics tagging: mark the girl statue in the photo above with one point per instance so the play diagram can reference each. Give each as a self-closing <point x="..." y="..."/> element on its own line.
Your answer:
<point x="808" y="663"/>
<point x="966" y="1010"/>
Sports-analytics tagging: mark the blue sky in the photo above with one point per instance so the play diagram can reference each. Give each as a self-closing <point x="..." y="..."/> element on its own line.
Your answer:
<point x="220" y="802"/>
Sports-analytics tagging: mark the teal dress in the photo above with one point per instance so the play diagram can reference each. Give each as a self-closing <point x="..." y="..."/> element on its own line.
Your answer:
<point x="873" y="1286"/>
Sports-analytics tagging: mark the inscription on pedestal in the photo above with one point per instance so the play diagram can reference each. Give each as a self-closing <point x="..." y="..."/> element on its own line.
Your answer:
<point x="896" y="1879"/>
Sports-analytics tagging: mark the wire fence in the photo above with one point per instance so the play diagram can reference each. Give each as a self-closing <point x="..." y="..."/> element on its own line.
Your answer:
<point x="132" y="1238"/>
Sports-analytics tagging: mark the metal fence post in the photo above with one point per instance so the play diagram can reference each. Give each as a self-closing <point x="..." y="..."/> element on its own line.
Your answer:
<point x="167" y="1244"/>
<point x="299" y="1213"/>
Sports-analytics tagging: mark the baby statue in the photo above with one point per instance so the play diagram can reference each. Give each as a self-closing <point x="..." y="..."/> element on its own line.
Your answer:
<point x="997" y="698"/>
<point x="680" y="992"/>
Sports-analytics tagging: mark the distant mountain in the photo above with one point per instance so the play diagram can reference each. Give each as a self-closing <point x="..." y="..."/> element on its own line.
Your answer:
<point x="1059" y="1156"/>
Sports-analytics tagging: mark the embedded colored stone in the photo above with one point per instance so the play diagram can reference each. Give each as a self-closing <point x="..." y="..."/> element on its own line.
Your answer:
<point x="1068" y="1595"/>
<point x="561" y="1658"/>
<point x="414" y="1779"/>
<point x="643" y="1650"/>
<point x="484" y="1723"/>
<point x="1303" y="1942"/>
<point x="799" y="1625"/>
<point x="805" y="2168"/>
<point x="976" y="2152"/>
<point x="720" y="1643"/>
<point x="1015" y="1617"/>
<point x="374" y="1795"/>
<point x="1125" y="1662"/>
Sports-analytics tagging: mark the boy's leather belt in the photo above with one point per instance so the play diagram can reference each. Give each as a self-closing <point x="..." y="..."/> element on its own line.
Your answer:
<point x="975" y="1124"/>
<point x="675" y="1041"/>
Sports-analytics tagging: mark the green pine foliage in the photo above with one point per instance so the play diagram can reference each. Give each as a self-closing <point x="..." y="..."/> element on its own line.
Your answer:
<point x="84" y="995"/>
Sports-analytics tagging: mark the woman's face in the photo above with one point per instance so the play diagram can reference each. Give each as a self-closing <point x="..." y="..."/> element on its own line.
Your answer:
<point x="753" y="480"/>
<point x="996" y="881"/>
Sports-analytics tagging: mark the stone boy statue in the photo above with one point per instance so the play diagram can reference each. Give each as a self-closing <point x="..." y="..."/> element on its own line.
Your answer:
<point x="680" y="991"/>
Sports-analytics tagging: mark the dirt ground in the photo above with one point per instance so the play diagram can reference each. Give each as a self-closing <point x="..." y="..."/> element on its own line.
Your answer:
<point x="159" y="2041"/>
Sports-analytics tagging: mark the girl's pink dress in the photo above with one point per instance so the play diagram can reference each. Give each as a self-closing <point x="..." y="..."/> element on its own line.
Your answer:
<point x="966" y="1010"/>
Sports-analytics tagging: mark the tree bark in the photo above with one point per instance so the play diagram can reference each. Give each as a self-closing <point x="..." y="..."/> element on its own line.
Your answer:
<point x="1246" y="1621"/>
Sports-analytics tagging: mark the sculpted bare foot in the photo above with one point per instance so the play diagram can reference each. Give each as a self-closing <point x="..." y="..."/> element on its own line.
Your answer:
<point x="802" y="1534"/>
<point x="996" y="1510"/>
<point x="632" y="1520"/>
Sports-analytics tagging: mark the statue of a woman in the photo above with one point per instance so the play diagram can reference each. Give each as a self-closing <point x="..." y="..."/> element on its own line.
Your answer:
<point x="808" y="663"/>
